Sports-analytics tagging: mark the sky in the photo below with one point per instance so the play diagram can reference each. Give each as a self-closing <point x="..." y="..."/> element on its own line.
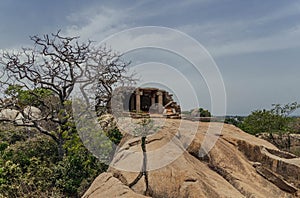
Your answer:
<point x="254" y="44"/>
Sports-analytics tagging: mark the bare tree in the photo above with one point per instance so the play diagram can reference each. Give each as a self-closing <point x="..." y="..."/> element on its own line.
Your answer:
<point x="54" y="65"/>
<point x="110" y="75"/>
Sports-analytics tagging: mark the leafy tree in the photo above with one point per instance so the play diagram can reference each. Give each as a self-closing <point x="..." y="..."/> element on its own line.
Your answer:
<point x="263" y="121"/>
<point x="25" y="98"/>
<point x="273" y="120"/>
<point x="204" y="113"/>
<point x="236" y="120"/>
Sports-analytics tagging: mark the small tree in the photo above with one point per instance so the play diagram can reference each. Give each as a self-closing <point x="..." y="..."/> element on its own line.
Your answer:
<point x="204" y="113"/>
<point x="273" y="120"/>
<point x="262" y="121"/>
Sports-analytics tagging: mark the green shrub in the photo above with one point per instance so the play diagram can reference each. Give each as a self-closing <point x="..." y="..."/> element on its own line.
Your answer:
<point x="264" y="121"/>
<point x="30" y="167"/>
<point x="27" y="97"/>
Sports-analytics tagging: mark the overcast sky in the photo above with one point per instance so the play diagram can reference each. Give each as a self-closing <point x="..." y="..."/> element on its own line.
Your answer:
<point x="255" y="44"/>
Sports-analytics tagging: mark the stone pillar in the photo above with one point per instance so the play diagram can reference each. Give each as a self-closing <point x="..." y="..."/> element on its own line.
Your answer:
<point x="137" y="100"/>
<point x="160" y="98"/>
<point x="132" y="103"/>
<point x="152" y="99"/>
<point x="160" y="101"/>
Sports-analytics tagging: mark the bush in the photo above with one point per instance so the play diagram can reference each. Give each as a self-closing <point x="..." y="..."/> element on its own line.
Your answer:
<point x="28" y="97"/>
<point x="264" y="121"/>
<point x="275" y="120"/>
<point x="30" y="166"/>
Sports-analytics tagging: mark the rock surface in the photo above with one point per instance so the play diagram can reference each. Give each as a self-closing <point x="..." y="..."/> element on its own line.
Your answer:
<point x="13" y="115"/>
<point x="238" y="165"/>
<point x="105" y="185"/>
<point x="9" y="114"/>
<point x="290" y="142"/>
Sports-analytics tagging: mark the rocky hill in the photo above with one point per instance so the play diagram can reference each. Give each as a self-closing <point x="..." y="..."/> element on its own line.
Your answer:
<point x="238" y="165"/>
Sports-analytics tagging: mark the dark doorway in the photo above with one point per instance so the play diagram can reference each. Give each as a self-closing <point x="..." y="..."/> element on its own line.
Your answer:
<point x="145" y="103"/>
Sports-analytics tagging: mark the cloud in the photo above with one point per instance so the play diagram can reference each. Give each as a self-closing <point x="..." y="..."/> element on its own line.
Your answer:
<point x="279" y="41"/>
<point x="165" y="8"/>
<point x="287" y="11"/>
<point x="99" y="21"/>
<point x="96" y="23"/>
<point x="254" y="34"/>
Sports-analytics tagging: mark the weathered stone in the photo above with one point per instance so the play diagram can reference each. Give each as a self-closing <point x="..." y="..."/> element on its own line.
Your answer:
<point x="276" y="179"/>
<point x="13" y="115"/>
<point x="195" y="113"/>
<point x="9" y="114"/>
<point x="32" y="112"/>
<point x="288" y="142"/>
<point x="235" y="167"/>
<point x="107" y="122"/>
<point x="105" y="185"/>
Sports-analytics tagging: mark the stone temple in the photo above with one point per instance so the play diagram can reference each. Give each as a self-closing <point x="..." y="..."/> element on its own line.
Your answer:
<point x="153" y="100"/>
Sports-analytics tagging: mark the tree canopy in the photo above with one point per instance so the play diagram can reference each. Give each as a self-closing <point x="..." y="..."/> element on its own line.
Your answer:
<point x="270" y="121"/>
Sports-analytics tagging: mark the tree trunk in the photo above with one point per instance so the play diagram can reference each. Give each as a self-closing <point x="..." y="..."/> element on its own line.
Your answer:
<point x="60" y="147"/>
